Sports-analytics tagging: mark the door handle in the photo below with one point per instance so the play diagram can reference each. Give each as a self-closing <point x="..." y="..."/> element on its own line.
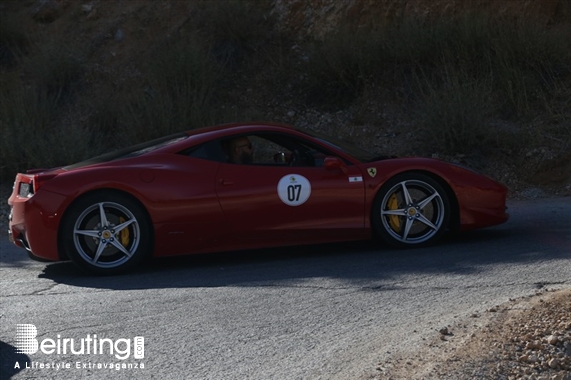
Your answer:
<point x="226" y="182"/>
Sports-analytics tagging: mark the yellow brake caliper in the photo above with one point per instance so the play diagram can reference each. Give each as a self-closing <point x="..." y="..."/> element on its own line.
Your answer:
<point x="124" y="234"/>
<point x="394" y="220"/>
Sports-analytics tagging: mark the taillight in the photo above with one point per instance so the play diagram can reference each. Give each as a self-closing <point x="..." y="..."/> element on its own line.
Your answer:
<point x="29" y="184"/>
<point x="26" y="190"/>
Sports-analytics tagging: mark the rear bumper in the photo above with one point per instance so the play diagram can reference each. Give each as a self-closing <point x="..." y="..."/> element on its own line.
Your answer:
<point x="34" y="223"/>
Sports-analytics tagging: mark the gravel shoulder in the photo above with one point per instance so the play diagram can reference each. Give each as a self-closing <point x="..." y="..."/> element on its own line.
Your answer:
<point x="526" y="338"/>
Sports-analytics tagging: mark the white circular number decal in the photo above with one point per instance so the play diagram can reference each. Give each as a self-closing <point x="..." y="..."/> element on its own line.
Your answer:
<point x="294" y="189"/>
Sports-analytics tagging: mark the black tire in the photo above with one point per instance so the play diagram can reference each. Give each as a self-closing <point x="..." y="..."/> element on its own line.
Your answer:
<point x="106" y="233"/>
<point x="410" y="210"/>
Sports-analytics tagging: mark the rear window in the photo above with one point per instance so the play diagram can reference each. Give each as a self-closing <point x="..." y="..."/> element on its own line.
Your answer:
<point x="132" y="151"/>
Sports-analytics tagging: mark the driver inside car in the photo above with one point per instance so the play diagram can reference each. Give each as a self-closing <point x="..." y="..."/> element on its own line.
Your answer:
<point x="240" y="151"/>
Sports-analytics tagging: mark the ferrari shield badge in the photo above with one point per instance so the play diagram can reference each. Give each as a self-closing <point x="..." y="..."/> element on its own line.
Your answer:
<point x="372" y="172"/>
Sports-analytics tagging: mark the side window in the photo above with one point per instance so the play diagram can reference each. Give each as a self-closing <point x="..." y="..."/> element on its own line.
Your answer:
<point x="273" y="149"/>
<point x="210" y="151"/>
<point x="267" y="152"/>
<point x="254" y="150"/>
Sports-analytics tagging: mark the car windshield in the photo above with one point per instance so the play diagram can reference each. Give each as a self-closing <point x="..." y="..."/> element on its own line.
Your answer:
<point x="353" y="151"/>
<point x="132" y="151"/>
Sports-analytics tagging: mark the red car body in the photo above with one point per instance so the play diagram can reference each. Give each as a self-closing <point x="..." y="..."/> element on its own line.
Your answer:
<point x="195" y="204"/>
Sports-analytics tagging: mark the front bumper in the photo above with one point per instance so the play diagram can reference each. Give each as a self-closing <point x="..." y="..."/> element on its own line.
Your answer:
<point x="483" y="208"/>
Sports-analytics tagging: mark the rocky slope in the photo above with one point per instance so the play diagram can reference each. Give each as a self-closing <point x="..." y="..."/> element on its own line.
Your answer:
<point x="527" y="338"/>
<point x="118" y="34"/>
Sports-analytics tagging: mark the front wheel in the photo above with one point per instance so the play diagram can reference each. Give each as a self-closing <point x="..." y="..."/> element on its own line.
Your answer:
<point x="411" y="210"/>
<point x="106" y="233"/>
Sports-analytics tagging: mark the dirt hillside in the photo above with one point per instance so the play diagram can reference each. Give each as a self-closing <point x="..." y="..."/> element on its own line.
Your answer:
<point x="120" y="34"/>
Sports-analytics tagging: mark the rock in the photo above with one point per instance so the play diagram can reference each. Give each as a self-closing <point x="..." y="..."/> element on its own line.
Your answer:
<point x="92" y="15"/>
<point x="553" y="363"/>
<point x="119" y="35"/>
<point x="533" y="192"/>
<point x="552" y="339"/>
<point x="48" y="11"/>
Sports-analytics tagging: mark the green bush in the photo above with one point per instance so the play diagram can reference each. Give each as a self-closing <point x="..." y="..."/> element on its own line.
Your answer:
<point x="234" y="29"/>
<point x="13" y="40"/>
<point x="182" y="78"/>
<point x="341" y="65"/>
<point x="184" y="75"/>
<point x="30" y="136"/>
<point x="529" y="63"/>
<point x="32" y="106"/>
<point x="55" y="67"/>
<point x="523" y="62"/>
<point x="454" y="115"/>
<point x="457" y="74"/>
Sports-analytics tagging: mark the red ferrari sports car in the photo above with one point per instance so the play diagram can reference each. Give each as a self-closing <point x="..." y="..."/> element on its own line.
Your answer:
<point x="241" y="186"/>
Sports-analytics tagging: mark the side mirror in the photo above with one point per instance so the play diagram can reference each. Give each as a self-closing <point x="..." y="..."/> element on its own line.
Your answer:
<point x="334" y="163"/>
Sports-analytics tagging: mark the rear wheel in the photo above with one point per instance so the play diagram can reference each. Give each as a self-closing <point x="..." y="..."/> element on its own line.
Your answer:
<point x="411" y="210"/>
<point x="106" y="233"/>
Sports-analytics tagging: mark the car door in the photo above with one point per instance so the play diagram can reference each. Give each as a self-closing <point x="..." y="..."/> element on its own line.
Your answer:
<point x="265" y="200"/>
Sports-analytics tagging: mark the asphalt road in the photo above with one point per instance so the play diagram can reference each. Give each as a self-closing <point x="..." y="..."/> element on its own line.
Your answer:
<point x="328" y="311"/>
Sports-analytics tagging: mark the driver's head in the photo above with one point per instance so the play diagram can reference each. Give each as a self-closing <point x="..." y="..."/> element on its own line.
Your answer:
<point x="241" y="151"/>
